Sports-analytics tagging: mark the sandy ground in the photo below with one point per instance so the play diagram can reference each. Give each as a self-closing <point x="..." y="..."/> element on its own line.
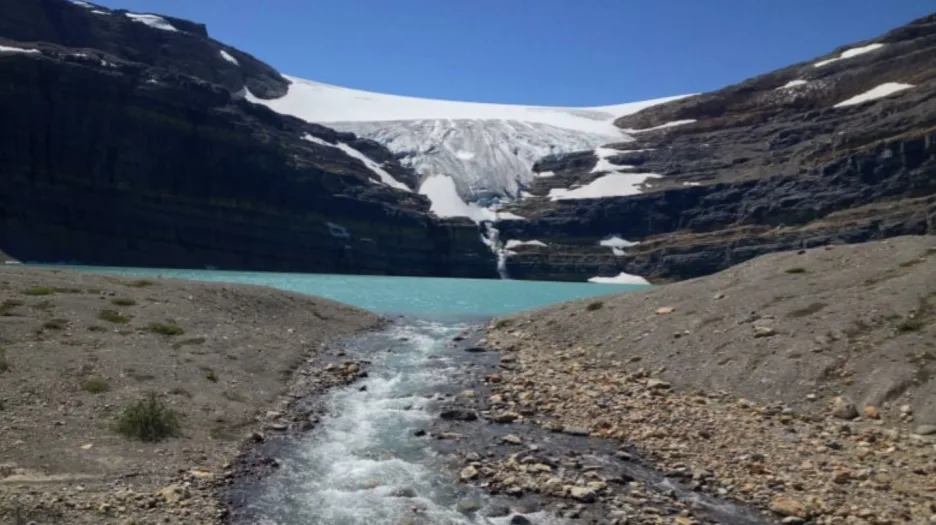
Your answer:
<point x="78" y="348"/>
<point x="799" y="382"/>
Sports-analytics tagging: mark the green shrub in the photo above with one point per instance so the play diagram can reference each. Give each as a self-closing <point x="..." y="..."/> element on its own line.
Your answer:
<point x="39" y="290"/>
<point x="112" y="316"/>
<point x="149" y="419"/>
<point x="139" y="283"/>
<point x="165" y="329"/>
<point x="95" y="385"/>
<point x="4" y="362"/>
<point x="122" y="301"/>
<point x="797" y="269"/>
<point x="597" y="305"/>
<point x="211" y="376"/>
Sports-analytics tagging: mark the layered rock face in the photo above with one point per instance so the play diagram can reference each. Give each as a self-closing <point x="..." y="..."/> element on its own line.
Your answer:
<point x="127" y="143"/>
<point x="838" y="150"/>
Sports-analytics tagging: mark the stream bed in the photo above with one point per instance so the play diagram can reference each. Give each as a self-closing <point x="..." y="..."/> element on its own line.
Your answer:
<point x="374" y="457"/>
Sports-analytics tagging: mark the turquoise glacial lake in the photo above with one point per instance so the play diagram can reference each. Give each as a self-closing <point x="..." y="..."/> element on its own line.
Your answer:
<point x="430" y="298"/>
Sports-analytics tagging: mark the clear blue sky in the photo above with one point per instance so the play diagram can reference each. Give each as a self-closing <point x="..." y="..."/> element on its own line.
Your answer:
<point x="549" y="52"/>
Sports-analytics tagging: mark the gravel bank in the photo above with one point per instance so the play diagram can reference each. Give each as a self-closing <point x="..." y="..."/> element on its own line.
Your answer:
<point x="798" y="382"/>
<point x="78" y="348"/>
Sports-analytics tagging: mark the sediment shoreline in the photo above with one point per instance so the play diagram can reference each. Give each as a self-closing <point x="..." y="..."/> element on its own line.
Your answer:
<point x="79" y="347"/>
<point x="721" y="382"/>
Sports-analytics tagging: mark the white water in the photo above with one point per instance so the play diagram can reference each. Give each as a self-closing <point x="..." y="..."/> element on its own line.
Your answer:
<point x="349" y="469"/>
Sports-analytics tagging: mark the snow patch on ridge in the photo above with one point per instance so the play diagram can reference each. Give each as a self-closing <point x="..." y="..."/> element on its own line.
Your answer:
<point x="605" y="165"/>
<point x="613" y="185"/>
<point x="850" y="53"/>
<point x="229" y="58"/>
<point x="617" y="244"/>
<point x="514" y="243"/>
<point x="622" y="278"/>
<point x="7" y="49"/>
<point x="445" y="202"/>
<point x="884" y="90"/>
<point x="382" y="174"/>
<point x="154" y="21"/>
<point x="672" y="124"/>
<point x="793" y="84"/>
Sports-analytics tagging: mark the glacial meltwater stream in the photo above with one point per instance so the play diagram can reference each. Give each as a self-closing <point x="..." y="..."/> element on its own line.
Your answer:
<point x="366" y="461"/>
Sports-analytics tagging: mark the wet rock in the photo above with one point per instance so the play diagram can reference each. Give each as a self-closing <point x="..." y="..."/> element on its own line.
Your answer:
<point x="844" y="408"/>
<point x="496" y="510"/>
<point x="576" y="431"/>
<point x="476" y="349"/>
<point x="505" y="417"/>
<point x="513" y="439"/>
<point x="468" y="473"/>
<point x="583" y="494"/>
<point x="458" y="414"/>
<point x="404" y="492"/>
<point x="784" y="505"/>
<point x="520" y="520"/>
<point x="419" y="433"/>
<point x="764" y="331"/>
<point x="468" y="505"/>
<point x="173" y="494"/>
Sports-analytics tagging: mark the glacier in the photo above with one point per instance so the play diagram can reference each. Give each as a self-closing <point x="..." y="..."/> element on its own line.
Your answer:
<point x="488" y="150"/>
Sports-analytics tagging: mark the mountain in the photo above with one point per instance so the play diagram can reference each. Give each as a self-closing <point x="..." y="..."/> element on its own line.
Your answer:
<point x="127" y="141"/>
<point x="839" y="149"/>
<point x="487" y="150"/>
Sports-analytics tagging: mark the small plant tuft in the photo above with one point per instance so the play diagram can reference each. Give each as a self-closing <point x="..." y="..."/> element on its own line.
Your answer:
<point x="797" y="269"/>
<point x="122" y="301"/>
<point x="4" y="362"/>
<point x="7" y="307"/>
<point x="95" y="385"/>
<point x="211" y="376"/>
<point x="913" y="324"/>
<point x="149" y="419"/>
<point x="44" y="305"/>
<point x="194" y="341"/>
<point x="39" y="290"/>
<point x="96" y="328"/>
<point x="168" y="329"/>
<point x="55" y="324"/>
<point x="112" y="316"/>
<point x="597" y="305"/>
<point x="139" y="283"/>
<point x="503" y="323"/>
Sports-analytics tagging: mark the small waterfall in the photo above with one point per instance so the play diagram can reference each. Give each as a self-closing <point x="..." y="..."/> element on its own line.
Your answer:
<point x="491" y="237"/>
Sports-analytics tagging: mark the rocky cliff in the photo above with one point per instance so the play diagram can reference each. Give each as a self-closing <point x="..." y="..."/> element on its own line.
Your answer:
<point x="836" y="150"/>
<point x="126" y="141"/>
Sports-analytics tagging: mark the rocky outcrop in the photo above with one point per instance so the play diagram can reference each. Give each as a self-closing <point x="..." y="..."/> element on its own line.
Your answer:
<point x="769" y="164"/>
<point x="118" y="151"/>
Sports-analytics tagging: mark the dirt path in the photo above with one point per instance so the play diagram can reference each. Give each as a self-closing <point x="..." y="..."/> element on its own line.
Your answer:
<point x="798" y="382"/>
<point x="77" y="349"/>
